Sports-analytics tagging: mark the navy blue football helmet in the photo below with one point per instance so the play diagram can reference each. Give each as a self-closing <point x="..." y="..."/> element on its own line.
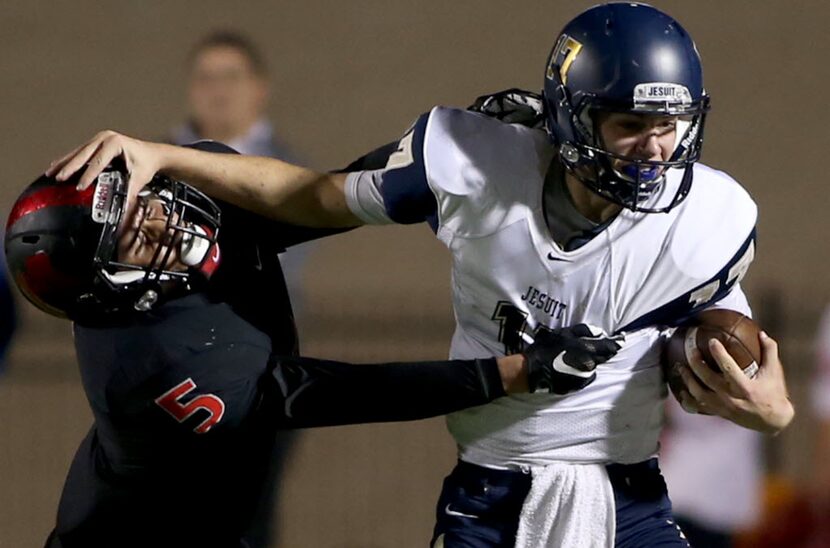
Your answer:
<point x="630" y="58"/>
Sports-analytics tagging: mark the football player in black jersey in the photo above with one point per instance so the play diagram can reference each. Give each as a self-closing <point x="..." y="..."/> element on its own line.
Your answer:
<point x="186" y="346"/>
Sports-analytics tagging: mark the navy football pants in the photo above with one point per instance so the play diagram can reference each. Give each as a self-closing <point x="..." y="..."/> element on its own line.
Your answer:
<point x="480" y="507"/>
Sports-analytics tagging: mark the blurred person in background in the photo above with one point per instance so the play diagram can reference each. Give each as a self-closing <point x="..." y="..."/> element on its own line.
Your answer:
<point x="819" y="488"/>
<point x="714" y="471"/>
<point x="793" y="515"/>
<point x="227" y="94"/>
<point x="227" y="97"/>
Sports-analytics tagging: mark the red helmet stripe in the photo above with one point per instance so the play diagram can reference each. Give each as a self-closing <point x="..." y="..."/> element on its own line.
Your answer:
<point x="53" y="195"/>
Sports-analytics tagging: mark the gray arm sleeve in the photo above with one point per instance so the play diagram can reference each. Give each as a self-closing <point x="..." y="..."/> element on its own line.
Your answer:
<point x="364" y="199"/>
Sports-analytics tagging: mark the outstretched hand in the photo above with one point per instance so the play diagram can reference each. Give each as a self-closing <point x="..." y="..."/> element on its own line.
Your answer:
<point x="565" y="360"/>
<point x="141" y="159"/>
<point x="761" y="403"/>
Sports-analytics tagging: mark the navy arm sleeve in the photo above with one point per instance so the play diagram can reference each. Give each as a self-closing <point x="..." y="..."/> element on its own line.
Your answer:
<point x="314" y="392"/>
<point x="375" y="159"/>
<point x="398" y="174"/>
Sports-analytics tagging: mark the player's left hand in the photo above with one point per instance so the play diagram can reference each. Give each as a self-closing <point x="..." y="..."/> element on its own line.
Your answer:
<point x="761" y="403"/>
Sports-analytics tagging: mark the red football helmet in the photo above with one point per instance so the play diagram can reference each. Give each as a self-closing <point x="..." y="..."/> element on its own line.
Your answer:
<point x="61" y="246"/>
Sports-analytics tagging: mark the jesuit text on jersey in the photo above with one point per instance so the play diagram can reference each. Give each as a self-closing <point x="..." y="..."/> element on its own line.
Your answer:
<point x="542" y="301"/>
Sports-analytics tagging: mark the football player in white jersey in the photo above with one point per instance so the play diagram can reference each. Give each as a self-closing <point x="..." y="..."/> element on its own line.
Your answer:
<point x="605" y="219"/>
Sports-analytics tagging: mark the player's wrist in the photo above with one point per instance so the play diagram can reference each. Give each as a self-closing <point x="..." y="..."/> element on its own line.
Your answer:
<point x="783" y="414"/>
<point x="514" y="373"/>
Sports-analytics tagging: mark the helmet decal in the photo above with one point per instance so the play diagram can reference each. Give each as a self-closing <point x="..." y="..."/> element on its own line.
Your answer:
<point x="102" y="200"/>
<point x="564" y="54"/>
<point x="661" y="94"/>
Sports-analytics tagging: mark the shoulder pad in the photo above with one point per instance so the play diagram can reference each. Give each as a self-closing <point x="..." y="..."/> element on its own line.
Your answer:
<point x="512" y="106"/>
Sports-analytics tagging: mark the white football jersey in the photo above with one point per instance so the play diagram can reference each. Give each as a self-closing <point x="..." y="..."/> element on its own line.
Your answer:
<point x="479" y="183"/>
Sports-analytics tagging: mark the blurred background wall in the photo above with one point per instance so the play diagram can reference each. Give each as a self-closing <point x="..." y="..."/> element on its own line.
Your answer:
<point x="348" y="76"/>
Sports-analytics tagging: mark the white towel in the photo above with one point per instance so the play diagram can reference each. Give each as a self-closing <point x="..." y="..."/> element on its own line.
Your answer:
<point x="568" y="506"/>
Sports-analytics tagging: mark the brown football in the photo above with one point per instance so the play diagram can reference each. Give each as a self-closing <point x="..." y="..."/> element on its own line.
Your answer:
<point x="738" y="333"/>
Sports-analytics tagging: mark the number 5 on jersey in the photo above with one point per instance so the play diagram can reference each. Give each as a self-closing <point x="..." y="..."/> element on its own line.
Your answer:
<point x="170" y="401"/>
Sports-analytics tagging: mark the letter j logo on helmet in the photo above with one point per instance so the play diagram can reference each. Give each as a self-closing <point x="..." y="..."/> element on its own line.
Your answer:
<point x="564" y="54"/>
